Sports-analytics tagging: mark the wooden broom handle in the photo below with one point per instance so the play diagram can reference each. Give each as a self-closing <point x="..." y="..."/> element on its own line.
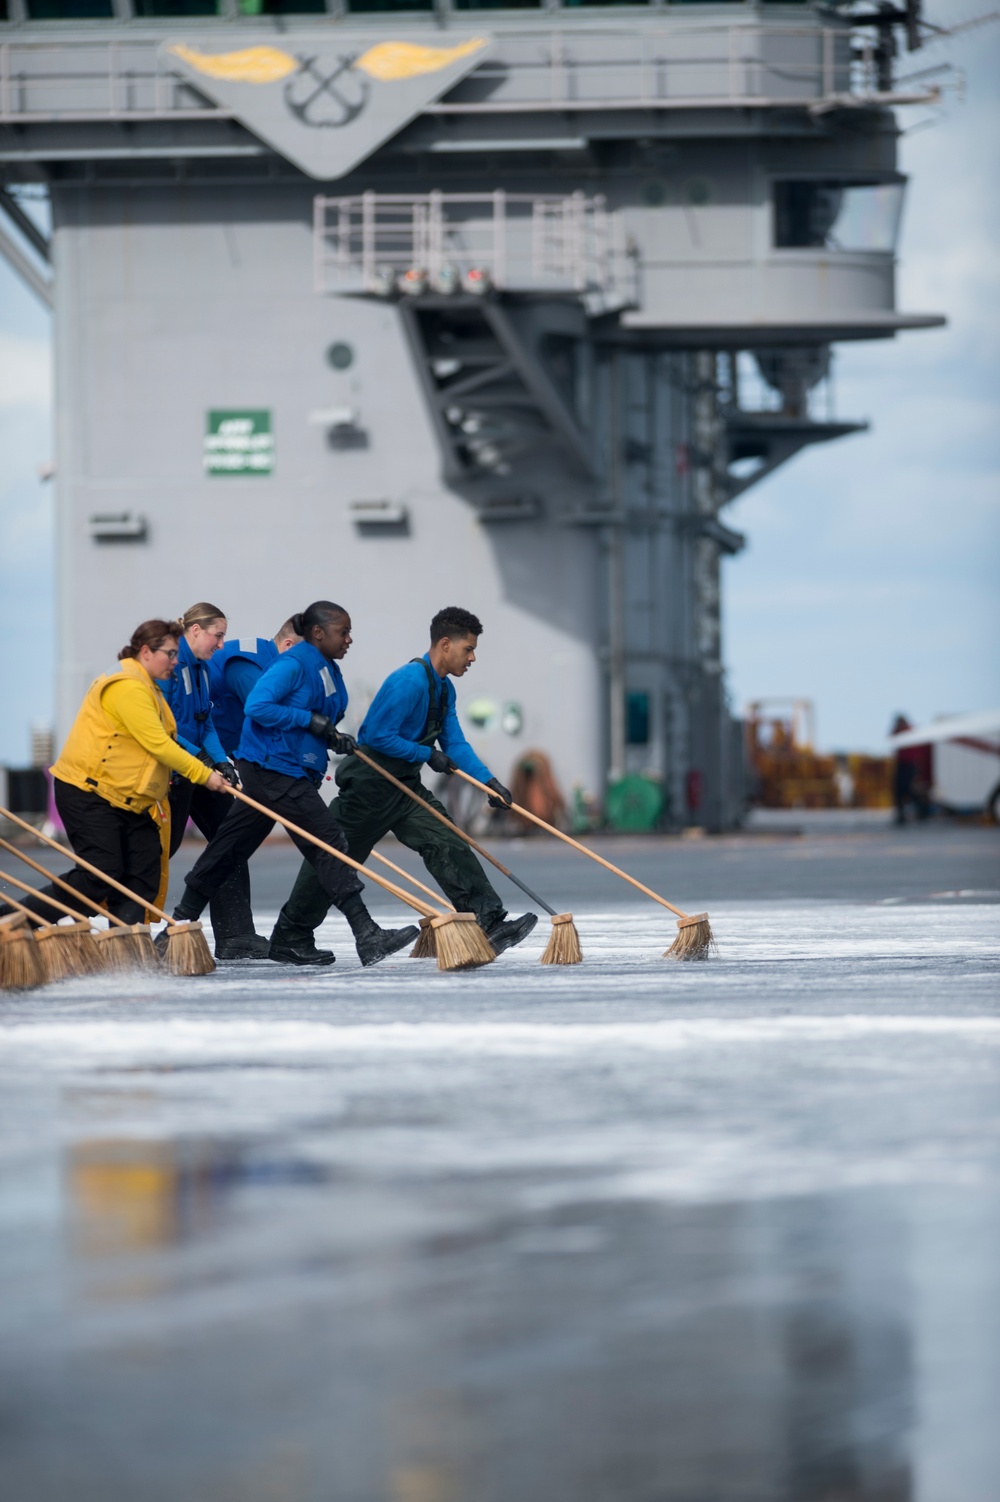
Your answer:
<point x="431" y="810"/>
<point x="423" y="908"/>
<point x="526" y="814"/>
<point x="19" y="907"/>
<point x="86" y="866"/>
<point x="57" y="881"/>
<point x="411" y="879"/>
<point x="424" y="804"/>
<point x="36" y="916"/>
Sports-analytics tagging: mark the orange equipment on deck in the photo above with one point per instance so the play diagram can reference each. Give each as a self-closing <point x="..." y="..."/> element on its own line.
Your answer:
<point x="788" y="773"/>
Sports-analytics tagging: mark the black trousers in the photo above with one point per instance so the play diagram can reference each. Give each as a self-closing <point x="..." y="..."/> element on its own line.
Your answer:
<point x="244" y="830"/>
<point x="230" y="909"/>
<point x="126" y="845"/>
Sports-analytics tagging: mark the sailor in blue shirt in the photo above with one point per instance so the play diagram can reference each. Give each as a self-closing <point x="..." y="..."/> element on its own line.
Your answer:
<point x="292" y="713"/>
<point x="411" y="723"/>
<point x="232" y="673"/>
<point x="189" y="695"/>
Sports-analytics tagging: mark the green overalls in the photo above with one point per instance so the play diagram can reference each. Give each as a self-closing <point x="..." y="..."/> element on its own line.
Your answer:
<point x="367" y="809"/>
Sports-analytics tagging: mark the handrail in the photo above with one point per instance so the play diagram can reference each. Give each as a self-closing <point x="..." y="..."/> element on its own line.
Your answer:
<point x="533" y="70"/>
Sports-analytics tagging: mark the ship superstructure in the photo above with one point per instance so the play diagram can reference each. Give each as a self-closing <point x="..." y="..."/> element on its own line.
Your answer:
<point x="451" y="305"/>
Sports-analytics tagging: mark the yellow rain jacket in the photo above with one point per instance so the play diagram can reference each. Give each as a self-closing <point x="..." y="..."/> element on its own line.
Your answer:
<point x="121" y="745"/>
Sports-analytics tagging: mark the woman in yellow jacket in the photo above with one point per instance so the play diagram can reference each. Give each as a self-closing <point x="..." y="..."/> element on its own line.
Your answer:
<point x="114" y="768"/>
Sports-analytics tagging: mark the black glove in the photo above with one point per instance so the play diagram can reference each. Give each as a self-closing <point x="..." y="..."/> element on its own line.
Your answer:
<point x="228" y="771"/>
<point x="321" y="726"/>
<point x="438" y="762"/>
<point x="502" y="798"/>
<point x="343" y="744"/>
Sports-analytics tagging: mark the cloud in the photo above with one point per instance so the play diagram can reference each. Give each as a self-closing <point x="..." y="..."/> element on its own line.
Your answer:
<point x="25" y="372"/>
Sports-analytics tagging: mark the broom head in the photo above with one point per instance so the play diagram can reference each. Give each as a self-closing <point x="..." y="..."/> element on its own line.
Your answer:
<point x="127" y="948"/>
<point x="187" y="950"/>
<point x="461" y="943"/>
<point x="426" y="946"/>
<point x="563" y="947"/>
<point x="67" y="950"/>
<point x="20" y="965"/>
<point x="694" y="939"/>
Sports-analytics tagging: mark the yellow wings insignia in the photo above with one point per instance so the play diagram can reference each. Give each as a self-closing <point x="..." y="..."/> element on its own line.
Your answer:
<point x="390" y="61"/>
<point x="251" y="65"/>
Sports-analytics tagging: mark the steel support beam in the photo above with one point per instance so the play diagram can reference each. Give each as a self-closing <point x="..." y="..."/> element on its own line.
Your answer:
<point x="26" y="268"/>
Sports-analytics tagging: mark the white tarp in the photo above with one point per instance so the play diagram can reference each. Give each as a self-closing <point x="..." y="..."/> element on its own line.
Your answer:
<point x="984" y="723"/>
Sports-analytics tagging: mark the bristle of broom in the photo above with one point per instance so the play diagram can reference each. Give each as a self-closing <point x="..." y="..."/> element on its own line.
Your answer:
<point x="426" y="946"/>
<point x="127" y="948"/>
<point x="563" y="947"/>
<point x="67" y="950"/>
<point x="187" y="950"/>
<point x="20" y="964"/>
<point x="143" y="947"/>
<point x="461" y="943"/>
<point x="694" y="941"/>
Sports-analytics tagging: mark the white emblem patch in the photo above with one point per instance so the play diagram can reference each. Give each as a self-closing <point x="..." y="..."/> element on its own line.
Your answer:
<point x="328" y="683"/>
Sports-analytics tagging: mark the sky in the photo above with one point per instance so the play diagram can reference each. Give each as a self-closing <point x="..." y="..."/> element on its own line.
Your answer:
<point x="870" y="583"/>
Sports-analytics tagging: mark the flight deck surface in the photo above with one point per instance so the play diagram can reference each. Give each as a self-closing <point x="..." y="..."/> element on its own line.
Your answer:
<point x="627" y="1231"/>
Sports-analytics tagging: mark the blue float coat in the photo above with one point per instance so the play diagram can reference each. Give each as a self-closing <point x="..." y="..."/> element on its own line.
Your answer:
<point x="189" y="695"/>
<point x="232" y="673"/>
<point x="398" y="713"/>
<point x="302" y="682"/>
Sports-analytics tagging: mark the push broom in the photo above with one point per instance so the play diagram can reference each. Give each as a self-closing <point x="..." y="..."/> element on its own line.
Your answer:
<point x="66" y="950"/>
<point x="187" y="952"/>
<point x="124" y="946"/>
<point x="694" y="939"/>
<point x="563" y="947"/>
<point x="426" y="946"/>
<point x="20" y="965"/>
<point x="461" y="943"/>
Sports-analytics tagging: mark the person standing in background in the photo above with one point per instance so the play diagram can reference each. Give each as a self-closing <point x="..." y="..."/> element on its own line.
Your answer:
<point x="189" y="695"/>
<point x="913" y="775"/>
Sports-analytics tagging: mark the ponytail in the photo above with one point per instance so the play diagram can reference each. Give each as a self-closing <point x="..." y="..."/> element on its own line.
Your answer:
<point x="317" y="614"/>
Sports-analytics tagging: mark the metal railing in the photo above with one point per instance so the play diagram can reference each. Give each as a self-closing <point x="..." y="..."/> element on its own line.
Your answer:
<point x="515" y="241"/>
<point x="669" y="66"/>
<point x="93" y="80"/>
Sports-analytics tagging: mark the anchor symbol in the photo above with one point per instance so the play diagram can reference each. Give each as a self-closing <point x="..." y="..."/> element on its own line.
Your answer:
<point x="302" y="101"/>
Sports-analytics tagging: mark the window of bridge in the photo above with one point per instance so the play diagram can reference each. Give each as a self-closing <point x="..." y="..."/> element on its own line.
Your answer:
<point x="70" y="10"/>
<point x="363" y="7"/>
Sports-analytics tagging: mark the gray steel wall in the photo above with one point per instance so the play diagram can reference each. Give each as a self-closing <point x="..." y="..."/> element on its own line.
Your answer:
<point x="171" y="303"/>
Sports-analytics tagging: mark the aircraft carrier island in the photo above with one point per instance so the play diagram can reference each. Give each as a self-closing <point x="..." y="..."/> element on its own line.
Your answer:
<point x="407" y="305"/>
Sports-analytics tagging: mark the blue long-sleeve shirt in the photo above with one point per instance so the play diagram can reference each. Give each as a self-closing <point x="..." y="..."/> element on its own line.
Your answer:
<point x="189" y="695"/>
<point x="278" y="709"/>
<point x="398" y="714"/>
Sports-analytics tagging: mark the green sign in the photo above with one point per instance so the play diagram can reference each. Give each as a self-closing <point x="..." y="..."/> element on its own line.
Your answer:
<point x="238" y="443"/>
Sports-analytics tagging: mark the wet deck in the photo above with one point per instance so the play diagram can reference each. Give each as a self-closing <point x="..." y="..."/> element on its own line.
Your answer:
<point x="631" y="1232"/>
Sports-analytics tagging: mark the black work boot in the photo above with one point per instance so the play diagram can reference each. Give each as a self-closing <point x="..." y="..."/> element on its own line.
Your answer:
<point x="301" y="954"/>
<point x="374" y="943"/>
<point x="290" y="946"/>
<point x="378" y="943"/>
<point x="243" y="947"/>
<point x="505" y="932"/>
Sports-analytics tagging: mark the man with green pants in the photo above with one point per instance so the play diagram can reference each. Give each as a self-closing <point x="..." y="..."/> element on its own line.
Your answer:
<point x="411" y="721"/>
